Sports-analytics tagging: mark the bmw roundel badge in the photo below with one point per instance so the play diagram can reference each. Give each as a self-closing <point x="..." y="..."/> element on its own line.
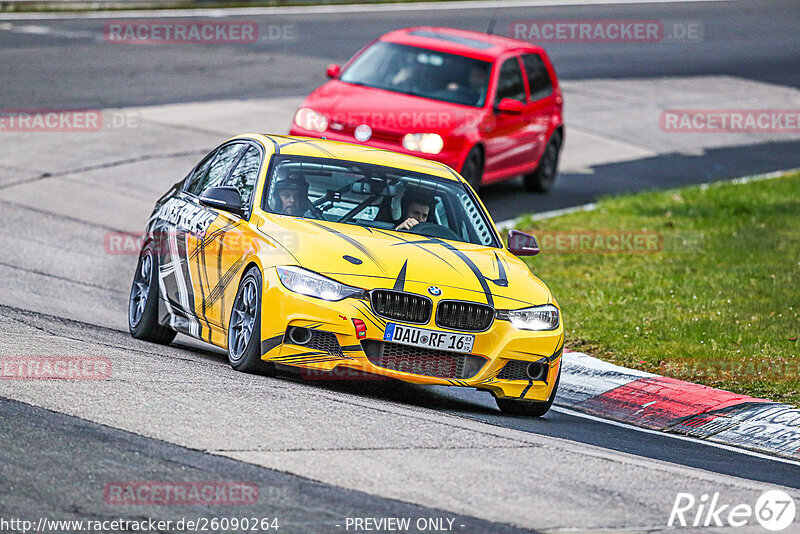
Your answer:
<point x="435" y="291"/>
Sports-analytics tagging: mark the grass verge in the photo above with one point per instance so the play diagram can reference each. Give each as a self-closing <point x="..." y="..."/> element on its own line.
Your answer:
<point x="700" y="284"/>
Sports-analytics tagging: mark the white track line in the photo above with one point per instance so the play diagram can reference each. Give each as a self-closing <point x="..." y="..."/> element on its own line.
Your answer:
<point x="731" y="448"/>
<point x="511" y="223"/>
<point x="328" y="9"/>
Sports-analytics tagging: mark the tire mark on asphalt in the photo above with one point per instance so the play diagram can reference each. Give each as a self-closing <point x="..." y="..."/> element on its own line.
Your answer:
<point x="48" y="213"/>
<point x="107" y="165"/>
<point x="369" y="449"/>
<point x="64" y="322"/>
<point x="62" y="278"/>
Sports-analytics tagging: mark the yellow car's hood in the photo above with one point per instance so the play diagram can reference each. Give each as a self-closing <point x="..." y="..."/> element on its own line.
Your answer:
<point x="371" y="258"/>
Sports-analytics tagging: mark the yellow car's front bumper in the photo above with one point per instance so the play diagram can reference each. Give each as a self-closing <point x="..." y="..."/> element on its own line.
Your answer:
<point x="335" y="345"/>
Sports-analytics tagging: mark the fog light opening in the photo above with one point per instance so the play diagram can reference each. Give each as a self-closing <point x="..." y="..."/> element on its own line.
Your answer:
<point x="536" y="370"/>
<point x="299" y="336"/>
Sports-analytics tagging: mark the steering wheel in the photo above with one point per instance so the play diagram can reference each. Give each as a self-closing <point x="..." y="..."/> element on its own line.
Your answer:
<point x="430" y="229"/>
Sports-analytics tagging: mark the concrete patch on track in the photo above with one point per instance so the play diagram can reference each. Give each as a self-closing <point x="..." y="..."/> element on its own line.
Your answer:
<point x="636" y="107"/>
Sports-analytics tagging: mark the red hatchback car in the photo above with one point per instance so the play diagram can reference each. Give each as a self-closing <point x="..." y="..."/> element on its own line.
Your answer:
<point x="485" y="105"/>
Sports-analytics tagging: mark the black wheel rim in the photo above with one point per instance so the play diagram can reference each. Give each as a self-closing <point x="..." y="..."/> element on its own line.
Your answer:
<point x="140" y="289"/>
<point x="243" y="319"/>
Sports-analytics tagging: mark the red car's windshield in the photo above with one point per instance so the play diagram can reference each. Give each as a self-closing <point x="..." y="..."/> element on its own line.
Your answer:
<point x="421" y="72"/>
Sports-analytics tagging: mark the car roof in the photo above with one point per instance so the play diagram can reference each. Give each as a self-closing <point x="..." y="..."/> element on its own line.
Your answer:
<point x="293" y="145"/>
<point x="473" y="44"/>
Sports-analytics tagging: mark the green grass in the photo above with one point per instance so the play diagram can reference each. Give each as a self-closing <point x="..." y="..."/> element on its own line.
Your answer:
<point x="718" y="304"/>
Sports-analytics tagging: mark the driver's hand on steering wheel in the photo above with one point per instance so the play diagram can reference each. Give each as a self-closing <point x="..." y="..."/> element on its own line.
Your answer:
<point x="408" y="224"/>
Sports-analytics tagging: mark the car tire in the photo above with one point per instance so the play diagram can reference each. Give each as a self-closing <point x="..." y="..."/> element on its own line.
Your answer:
<point x="244" y="328"/>
<point x="528" y="408"/>
<point x="472" y="170"/>
<point x="143" y="301"/>
<point x="542" y="179"/>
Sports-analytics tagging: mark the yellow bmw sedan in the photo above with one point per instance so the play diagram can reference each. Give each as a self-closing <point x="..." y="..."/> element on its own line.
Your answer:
<point x="327" y="256"/>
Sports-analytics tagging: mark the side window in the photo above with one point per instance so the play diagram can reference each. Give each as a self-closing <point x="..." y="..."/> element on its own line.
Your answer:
<point x="538" y="78"/>
<point x="510" y="84"/>
<point x="245" y="174"/>
<point x="213" y="174"/>
<point x="441" y="213"/>
<point x="196" y="177"/>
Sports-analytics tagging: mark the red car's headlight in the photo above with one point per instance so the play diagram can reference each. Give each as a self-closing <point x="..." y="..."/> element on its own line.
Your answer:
<point x="309" y="119"/>
<point x="428" y="143"/>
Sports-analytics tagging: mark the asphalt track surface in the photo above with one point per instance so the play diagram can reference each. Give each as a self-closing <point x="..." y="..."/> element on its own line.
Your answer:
<point x="74" y="66"/>
<point x="142" y="427"/>
<point x="71" y="454"/>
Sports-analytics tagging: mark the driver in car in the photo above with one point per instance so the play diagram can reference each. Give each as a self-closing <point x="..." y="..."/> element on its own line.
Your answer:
<point x="473" y="86"/>
<point x="291" y="194"/>
<point x="417" y="207"/>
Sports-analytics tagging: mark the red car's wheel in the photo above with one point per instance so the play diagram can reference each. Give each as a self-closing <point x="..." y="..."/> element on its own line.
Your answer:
<point x="543" y="178"/>
<point x="472" y="171"/>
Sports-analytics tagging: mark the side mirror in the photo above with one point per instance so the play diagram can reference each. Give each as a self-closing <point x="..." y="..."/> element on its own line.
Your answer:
<point x="510" y="106"/>
<point x="333" y="70"/>
<point x="225" y="198"/>
<point x="522" y="244"/>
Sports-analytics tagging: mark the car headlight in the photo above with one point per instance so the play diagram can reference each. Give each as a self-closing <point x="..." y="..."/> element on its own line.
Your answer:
<point x="429" y="143"/>
<point x="534" y="318"/>
<point x="309" y="119"/>
<point x="315" y="285"/>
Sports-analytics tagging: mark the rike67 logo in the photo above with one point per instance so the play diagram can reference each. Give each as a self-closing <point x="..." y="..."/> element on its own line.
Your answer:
<point x="774" y="510"/>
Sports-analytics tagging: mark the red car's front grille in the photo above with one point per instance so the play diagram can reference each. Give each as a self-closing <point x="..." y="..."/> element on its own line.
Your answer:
<point x="377" y="134"/>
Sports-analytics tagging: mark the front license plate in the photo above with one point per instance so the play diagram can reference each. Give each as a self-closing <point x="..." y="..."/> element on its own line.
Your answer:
<point x="430" y="339"/>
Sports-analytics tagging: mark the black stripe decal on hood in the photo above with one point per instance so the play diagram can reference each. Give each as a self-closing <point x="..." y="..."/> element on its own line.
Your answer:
<point x="404" y="241"/>
<point x="501" y="279"/>
<point x="401" y="278"/>
<point x="468" y="262"/>
<point x="364" y="250"/>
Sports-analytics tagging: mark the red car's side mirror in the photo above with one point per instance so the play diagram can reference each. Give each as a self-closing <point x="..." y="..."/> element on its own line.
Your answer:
<point x="522" y="244"/>
<point x="333" y="70"/>
<point x="510" y="106"/>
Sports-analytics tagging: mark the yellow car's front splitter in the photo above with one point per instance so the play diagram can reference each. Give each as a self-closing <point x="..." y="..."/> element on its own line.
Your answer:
<point x="321" y="336"/>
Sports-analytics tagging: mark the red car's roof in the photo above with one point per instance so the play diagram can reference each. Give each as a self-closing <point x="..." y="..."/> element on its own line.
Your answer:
<point x="461" y="42"/>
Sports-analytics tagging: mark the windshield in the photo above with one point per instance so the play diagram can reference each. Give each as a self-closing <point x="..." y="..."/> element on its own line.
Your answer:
<point x="376" y="197"/>
<point x="421" y="72"/>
